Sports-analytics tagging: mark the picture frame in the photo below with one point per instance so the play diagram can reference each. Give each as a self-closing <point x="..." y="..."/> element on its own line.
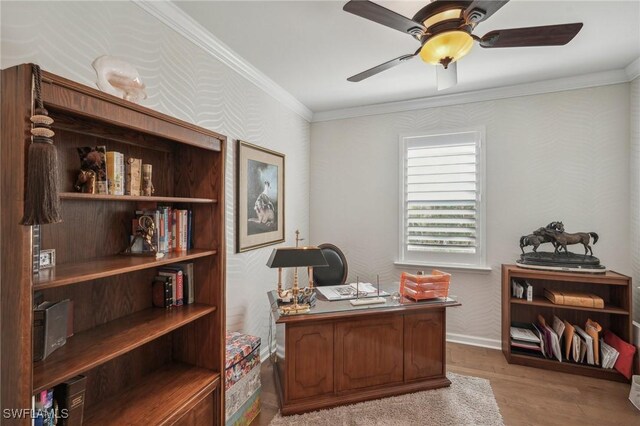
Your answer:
<point x="47" y="259"/>
<point x="260" y="201"/>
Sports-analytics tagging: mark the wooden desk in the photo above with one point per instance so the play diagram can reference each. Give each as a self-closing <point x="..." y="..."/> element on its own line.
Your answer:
<point x="340" y="354"/>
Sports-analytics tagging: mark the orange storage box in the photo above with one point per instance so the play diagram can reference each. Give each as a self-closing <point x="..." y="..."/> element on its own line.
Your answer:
<point x="421" y="287"/>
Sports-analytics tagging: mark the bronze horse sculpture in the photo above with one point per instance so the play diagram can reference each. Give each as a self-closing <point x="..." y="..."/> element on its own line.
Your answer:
<point x="560" y="239"/>
<point x="556" y="231"/>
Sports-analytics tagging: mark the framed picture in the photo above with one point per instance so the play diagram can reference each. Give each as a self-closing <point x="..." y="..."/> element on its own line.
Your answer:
<point x="259" y="197"/>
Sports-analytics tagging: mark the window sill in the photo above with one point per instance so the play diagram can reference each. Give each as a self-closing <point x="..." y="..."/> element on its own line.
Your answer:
<point x="461" y="268"/>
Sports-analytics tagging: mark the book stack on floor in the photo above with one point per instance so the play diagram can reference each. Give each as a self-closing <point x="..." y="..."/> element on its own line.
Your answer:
<point x="242" y="379"/>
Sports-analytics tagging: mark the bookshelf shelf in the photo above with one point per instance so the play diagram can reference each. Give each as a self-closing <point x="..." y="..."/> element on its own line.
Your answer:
<point x="77" y="272"/>
<point x="131" y="198"/>
<point x="98" y="345"/>
<point x="160" y="398"/>
<point x="612" y="287"/>
<point x="541" y="301"/>
<point x="567" y="367"/>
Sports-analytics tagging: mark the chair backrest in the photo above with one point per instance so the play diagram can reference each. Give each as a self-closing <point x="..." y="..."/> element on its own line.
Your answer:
<point x="336" y="272"/>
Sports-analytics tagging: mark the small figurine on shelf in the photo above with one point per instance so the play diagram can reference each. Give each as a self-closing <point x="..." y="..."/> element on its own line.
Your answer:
<point x="145" y="231"/>
<point x="147" y="185"/>
<point x="92" y="178"/>
<point x="86" y="182"/>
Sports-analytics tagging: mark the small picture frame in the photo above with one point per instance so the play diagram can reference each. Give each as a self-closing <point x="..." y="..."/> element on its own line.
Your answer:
<point x="47" y="259"/>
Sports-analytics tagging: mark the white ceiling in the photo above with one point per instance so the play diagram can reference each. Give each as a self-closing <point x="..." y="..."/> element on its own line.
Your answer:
<point x="311" y="47"/>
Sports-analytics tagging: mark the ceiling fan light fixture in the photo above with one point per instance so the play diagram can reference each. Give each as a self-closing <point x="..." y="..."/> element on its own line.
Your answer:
<point x="442" y="16"/>
<point x="450" y="44"/>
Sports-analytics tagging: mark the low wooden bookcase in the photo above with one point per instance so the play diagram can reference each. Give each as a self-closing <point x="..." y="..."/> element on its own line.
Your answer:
<point x="144" y="365"/>
<point x="616" y="316"/>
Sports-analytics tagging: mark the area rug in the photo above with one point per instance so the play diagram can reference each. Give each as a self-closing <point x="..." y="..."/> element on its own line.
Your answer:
<point x="469" y="401"/>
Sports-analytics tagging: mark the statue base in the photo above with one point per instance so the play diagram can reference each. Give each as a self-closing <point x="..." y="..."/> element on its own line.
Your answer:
<point x="567" y="262"/>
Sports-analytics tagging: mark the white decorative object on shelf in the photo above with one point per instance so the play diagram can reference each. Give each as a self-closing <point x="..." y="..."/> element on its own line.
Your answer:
<point x="119" y="78"/>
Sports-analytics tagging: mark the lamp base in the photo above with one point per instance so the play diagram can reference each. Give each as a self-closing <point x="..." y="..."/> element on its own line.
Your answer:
<point x="294" y="309"/>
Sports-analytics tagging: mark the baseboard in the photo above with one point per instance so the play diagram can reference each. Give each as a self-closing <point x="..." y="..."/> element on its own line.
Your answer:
<point x="482" y="342"/>
<point x="264" y="352"/>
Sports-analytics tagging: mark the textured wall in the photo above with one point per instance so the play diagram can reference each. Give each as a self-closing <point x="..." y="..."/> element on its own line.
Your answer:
<point x="635" y="193"/>
<point x="554" y="156"/>
<point x="185" y="82"/>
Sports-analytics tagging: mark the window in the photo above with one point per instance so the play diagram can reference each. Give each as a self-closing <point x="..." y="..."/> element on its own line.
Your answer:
<point x="442" y="203"/>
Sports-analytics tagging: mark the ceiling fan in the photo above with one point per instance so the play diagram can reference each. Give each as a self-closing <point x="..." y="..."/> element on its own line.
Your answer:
<point x="444" y="30"/>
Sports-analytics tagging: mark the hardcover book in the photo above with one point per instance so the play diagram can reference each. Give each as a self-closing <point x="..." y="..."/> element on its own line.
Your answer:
<point x="49" y="328"/>
<point x="70" y="397"/>
<point x="115" y="172"/>
<point x="162" y="292"/>
<point x="133" y="177"/>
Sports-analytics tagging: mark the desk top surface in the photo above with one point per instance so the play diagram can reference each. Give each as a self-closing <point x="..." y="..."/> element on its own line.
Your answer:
<point x="325" y="309"/>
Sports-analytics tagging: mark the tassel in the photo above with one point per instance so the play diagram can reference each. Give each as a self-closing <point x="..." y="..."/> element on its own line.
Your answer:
<point x="41" y="204"/>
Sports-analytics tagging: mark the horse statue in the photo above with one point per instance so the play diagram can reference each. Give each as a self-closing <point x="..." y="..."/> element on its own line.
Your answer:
<point x="556" y="231"/>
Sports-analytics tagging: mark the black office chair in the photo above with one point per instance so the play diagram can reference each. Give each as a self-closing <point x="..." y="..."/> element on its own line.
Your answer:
<point x="336" y="272"/>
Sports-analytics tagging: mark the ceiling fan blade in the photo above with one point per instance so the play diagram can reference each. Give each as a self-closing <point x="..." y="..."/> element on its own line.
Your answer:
<point x="378" y="69"/>
<point x="447" y="77"/>
<point x="479" y="10"/>
<point x="548" y="35"/>
<point x="381" y="15"/>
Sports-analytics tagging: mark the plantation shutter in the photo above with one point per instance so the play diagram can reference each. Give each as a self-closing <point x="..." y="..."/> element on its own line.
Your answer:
<point x="441" y="194"/>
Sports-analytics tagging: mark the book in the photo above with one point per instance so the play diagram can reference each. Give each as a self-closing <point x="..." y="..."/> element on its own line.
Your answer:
<point x="528" y="291"/>
<point x="190" y="229"/>
<point x="177" y="280"/>
<point x="588" y="345"/>
<point x="188" y="280"/>
<point x="573" y="298"/>
<point x="133" y="177"/>
<point x="115" y="173"/>
<point x="609" y="355"/>
<point x="70" y="396"/>
<point x="162" y="292"/>
<point x="524" y="334"/>
<point x="44" y="409"/>
<point x="49" y="328"/>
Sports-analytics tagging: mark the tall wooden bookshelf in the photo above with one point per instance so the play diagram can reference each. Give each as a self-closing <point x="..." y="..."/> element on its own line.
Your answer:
<point x="143" y="365"/>
<point x="616" y="315"/>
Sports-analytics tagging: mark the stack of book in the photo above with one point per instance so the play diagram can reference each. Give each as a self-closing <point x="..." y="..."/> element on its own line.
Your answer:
<point x="524" y="337"/>
<point x="174" y="285"/>
<point x="521" y="289"/>
<point x="173" y="233"/>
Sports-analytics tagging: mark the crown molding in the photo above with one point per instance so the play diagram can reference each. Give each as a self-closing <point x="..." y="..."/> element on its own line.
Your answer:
<point x="633" y="69"/>
<point x="176" y="19"/>
<point x="558" y="85"/>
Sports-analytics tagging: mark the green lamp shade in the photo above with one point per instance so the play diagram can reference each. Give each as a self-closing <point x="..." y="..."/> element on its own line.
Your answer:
<point x="293" y="257"/>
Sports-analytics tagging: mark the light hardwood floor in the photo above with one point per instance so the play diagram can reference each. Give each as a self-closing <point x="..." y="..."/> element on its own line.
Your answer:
<point x="525" y="395"/>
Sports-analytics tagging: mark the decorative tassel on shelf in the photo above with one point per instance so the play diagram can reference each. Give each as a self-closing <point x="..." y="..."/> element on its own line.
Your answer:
<point x="41" y="204"/>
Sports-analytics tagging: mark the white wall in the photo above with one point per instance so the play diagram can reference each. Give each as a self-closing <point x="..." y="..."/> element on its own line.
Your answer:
<point x="560" y="156"/>
<point x="183" y="81"/>
<point x="635" y="192"/>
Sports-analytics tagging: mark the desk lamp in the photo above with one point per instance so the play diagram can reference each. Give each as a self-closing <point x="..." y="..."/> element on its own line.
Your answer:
<point x="294" y="257"/>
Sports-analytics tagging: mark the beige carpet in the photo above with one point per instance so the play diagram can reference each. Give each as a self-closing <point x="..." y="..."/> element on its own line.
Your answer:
<point x="469" y="401"/>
